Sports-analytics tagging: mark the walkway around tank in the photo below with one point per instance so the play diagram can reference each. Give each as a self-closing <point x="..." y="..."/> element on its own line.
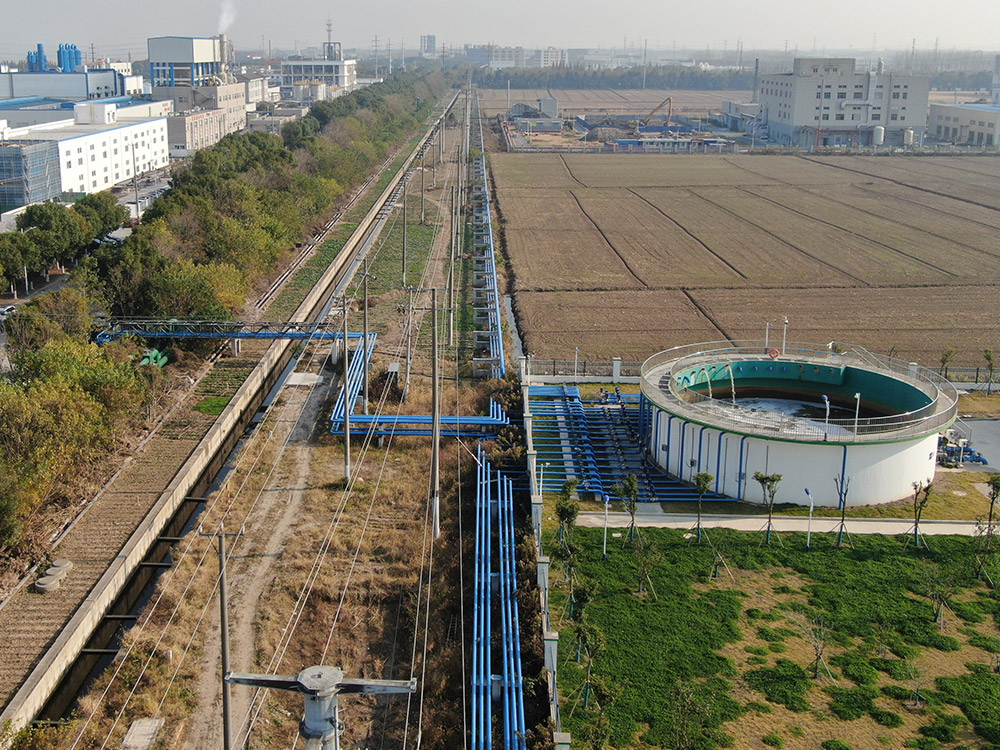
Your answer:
<point x="649" y="518"/>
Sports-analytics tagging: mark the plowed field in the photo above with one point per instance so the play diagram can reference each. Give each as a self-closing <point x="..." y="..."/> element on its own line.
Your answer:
<point x="624" y="255"/>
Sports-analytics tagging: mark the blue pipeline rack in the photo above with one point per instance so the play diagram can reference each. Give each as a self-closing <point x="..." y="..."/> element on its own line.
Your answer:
<point x="597" y="442"/>
<point x="496" y="630"/>
<point x="406" y="424"/>
<point x="216" y="329"/>
<point x="488" y="358"/>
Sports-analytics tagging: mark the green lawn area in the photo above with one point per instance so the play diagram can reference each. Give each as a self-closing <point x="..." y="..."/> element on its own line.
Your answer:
<point x="695" y="661"/>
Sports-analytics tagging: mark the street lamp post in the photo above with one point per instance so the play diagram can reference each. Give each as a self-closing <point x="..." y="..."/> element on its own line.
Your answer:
<point x="826" y="422"/>
<point x="576" y="361"/>
<point x="809" y="527"/>
<point x="784" y="336"/>
<point x="541" y="478"/>
<point x="605" y="557"/>
<point x="857" y="409"/>
<point x="767" y="336"/>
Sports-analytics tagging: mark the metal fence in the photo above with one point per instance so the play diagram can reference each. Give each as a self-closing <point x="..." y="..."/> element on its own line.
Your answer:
<point x="583" y="368"/>
<point x="661" y="387"/>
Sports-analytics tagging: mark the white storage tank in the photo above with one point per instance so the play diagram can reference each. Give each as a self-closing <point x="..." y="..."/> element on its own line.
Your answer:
<point x="908" y="137"/>
<point x="878" y="135"/>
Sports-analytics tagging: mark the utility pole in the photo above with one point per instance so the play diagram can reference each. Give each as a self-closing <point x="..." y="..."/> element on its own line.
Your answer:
<point x="347" y="406"/>
<point x="320" y="725"/>
<point x="409" y="336"/>
<point x="366" y="276"/>
<point x="422" y="175"/>
<point x="436" y="431"/>
<point x="404" y="229"/>
<point x="227" y="723"/>
<point x="451" y="273"/>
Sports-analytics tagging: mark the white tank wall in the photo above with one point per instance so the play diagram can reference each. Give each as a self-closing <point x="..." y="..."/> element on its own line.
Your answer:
<point x="878" y="473"/>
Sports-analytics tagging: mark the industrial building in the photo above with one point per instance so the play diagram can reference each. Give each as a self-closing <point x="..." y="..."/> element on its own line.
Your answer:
<point x="823" y="417"/>
<point x="338" y="75"/>
<point x="187" y="61"/>
<point x="973" y="124"/>
<point x="95" y="148"/>
<point x="230" y="98"/>
<point x="85" y="84"/>
<point x="826" y="102"/>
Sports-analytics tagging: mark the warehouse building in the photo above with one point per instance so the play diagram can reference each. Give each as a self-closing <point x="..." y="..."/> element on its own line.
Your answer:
<point x="826" y="102"/>
<point x="974" y="124"/>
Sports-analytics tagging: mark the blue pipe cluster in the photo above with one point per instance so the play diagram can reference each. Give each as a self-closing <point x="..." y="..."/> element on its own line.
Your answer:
<point x="496" y="593"/>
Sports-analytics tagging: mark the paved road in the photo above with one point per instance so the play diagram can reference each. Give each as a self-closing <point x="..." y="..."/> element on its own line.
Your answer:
<point x="620" y="520"/>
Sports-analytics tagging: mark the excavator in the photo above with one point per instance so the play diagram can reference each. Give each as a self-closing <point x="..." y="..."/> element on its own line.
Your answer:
<point x="668" y="103"/>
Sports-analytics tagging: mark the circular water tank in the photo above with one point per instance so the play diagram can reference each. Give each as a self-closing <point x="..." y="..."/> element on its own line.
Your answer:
<point x="878" y="135"/>
<point x="908" y="137"/>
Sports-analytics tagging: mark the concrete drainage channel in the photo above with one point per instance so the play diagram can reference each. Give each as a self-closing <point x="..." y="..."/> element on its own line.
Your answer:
<point x="86" y="643"/>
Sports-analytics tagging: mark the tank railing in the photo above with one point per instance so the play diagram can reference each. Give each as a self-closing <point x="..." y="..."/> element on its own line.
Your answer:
<point x="698" y="405"/>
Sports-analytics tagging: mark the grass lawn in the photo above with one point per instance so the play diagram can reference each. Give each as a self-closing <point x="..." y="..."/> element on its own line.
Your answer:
<point x="695" y="661"/>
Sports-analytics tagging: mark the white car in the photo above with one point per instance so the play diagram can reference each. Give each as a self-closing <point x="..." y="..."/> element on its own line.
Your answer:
<point x="6" y="312"/>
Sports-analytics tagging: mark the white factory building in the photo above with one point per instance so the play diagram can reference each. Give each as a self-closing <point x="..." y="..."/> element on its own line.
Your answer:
<point x="337" y="75"/>
<point x="86" y="84"/>
<point x="827" y="102"/>
<point x="97" y="147"/>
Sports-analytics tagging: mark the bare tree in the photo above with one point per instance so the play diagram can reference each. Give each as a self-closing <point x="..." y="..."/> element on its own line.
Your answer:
<point x="988" y="356"/>
<point x="769" y="486"/>
<point x="987" y="545"/>
<point x="843" y="485"/>
<point x="702" y="484"/>
<point x="628" y="491"/>
<point x="939" y="585"/>
<point x="921" y="496"/>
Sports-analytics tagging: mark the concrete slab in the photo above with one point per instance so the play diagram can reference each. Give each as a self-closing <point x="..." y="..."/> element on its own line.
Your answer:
<point x="304" y="378"/>
<point x="142" y="734"/>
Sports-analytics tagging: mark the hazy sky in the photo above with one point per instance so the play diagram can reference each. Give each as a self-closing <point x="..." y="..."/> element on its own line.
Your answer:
<point x="117" y="27"/>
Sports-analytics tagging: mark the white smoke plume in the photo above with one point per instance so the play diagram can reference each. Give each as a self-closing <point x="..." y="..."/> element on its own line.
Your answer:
<point x="227" y="15"/>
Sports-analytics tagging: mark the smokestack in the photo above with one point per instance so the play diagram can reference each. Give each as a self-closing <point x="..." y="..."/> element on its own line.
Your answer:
<point x="756" y="78"/>
<point x="224" y="59"/>
<point x="880" y="67"/>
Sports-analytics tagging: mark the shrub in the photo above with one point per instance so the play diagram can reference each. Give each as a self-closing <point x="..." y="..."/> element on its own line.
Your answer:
<point x="758" y="650"/>
<point x="986" y="643"/>
<point x="944" y="727"/>
<point x="785" y="683"/>
<point x="897" y="692"/>
<point x="761" y="708"/>
<point x="756" y="660"/>
<point x="855" y="668"/>
<point x="852" y="703"/>
<point x="796" y="731"/>
<point x="784" y="590"/>
<point x="923" y="743"/>
<point x="897" y="669"/>
<point x="773" y="740"/>
<point x="777" y="647"/>
<point x="886" y="718"/>
<point x="835" y="745"/>
<point x="978" y="695"/>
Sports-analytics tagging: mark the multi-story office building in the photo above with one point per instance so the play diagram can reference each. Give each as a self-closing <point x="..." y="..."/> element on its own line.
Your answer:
<point x="827" y="102"/>
<point x="428" y="45"/>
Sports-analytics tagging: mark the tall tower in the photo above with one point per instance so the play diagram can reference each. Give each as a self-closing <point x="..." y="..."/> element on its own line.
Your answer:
<point x="996" y="81"/>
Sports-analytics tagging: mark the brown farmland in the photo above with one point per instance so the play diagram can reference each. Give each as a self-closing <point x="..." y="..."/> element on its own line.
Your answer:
<point x="624" y="255"/>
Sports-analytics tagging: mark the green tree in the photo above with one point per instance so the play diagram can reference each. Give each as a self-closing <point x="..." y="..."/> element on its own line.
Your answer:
<point x="702" y="484"/>
<point x="993" y="483"/>
<point x="567" y="509"/>
<point x="59" y="232"/>
<point x="108" y="212"/>
<point x="946" y="357"/>
<point x="769" y="487"/>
